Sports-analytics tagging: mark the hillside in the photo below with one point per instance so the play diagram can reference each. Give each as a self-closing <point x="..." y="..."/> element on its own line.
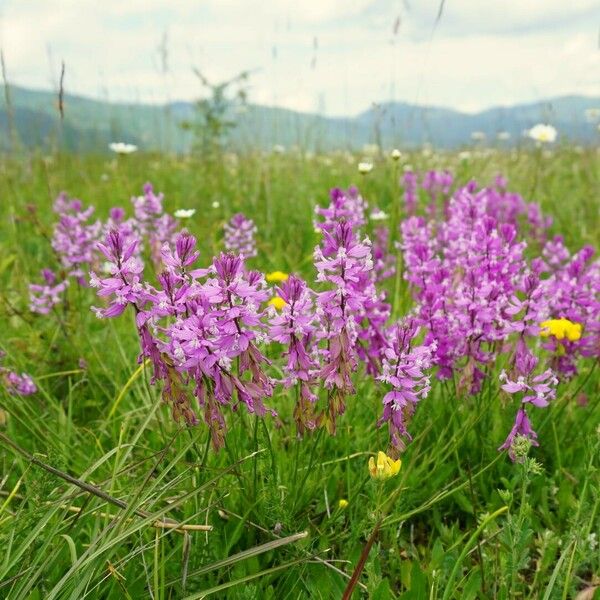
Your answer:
<point x="91" y="124"/>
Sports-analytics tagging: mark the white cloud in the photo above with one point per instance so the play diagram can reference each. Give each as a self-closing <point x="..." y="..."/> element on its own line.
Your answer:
<point x="481" y="54"/>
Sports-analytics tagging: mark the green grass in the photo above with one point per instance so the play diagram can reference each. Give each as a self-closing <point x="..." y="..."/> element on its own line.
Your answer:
<point x="461" y="520"/>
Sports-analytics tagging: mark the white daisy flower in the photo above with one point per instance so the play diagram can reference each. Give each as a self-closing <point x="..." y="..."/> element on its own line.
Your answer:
<point x="365" y="167"/>
<point x="542" y="133"/>
<point x="185" y="213"/>
<point x="378" y="215"/>
<point x="122" y="147"/>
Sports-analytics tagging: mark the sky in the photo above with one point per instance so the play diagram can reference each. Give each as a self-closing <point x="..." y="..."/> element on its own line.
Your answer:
<point x="337" y="57"/>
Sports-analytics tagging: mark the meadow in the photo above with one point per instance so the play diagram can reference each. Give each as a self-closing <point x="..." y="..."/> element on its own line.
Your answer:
<point x="103" y="494"/>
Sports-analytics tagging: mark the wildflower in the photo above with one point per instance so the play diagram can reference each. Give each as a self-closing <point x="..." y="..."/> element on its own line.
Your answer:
<point x="216" y="204"/>
<point x="537" y="389"/>
<point x="561" y="328"/>
<point x="555" y="252"/>
<point x="403" y="368"/>
<point x="74" y="238"/>
<point x="277" y="301"/>
<point x="409" y="179"/>
<point x="345" y="204"/>
<point x="520" y="432"/>
<point x="42" y="297"/>
<point x="185" y="253"/>
<point x="276" y="277"/>
<point x="378" y="215"/>
<point x="396" y="154"/>
<point x="122" y="148"/>
<point x="343" y="503"/>
<point x="436" y="183"/>
<point x="17" y="385"/>
<point x="344" y="262"/>
<point x="239" y="235"/>
<point x="365" y="167"/>
<point x="572" y="292"/>
<point x="294" y="327"/>
<point x="542" y="133"/>
<point x="369" y="312"/>
<point x="124" y="285"/>
<point x="147" y="207"/>
<point x="385" y="467"/>
<point x="184" y="213"/>
<point x="503" y="135"/>
<point x="237" y="294"/>
<point x="384" y="261"/>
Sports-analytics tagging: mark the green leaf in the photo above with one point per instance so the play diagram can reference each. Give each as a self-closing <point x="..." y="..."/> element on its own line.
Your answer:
<point x="382" y="592"/>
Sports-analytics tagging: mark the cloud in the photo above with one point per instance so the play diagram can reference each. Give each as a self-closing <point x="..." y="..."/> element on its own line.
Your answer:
<point x="481" y="54"/>
<point x="498" y="17"/>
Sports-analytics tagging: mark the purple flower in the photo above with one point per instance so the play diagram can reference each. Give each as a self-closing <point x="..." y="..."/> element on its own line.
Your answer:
<point x="239" y="236"/>
<point x="555" y="252"/>
<point x="346" y="205"/>
<point x="123" y="286"/>
<point x="215" y="335"/>
<point x="411" y="197"/>
<point x="522" y="427"/>
<point x="147" y="208"/>
<point x="74" y="238"/>
<point x="403" y="368"/>
<point x="17" y="385"/>
<point x="185" y="253"/>
<point x="436" y="184"/>
<point x="294" y="327"/>
<point x="572" y="293"/>
<point x="44" y="297"/>
<point x="343" y="262"/>
<point x="384" y="262"/>
<point x="537" y="389"/>
<point x="462" y="272"/>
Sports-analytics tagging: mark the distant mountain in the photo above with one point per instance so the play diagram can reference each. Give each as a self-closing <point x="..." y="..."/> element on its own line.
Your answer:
<point x="89" y="124"/>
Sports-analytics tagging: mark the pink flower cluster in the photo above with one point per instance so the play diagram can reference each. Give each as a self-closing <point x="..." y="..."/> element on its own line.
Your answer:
<point x="479" y="296"/>
<point x="15" y="384"/>
<point x="75" y="242"/>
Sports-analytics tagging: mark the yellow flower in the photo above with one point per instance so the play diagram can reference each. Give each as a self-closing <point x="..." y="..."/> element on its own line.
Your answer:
<point x="385" y="467"/>
<point x="277" y="301"/>
<point x="343" y="503"/>
<point x="276" y="277"/>
<point x="561" y="328"/>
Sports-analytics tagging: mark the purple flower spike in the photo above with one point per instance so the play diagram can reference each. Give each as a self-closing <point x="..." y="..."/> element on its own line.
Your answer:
<point x="185" y="253"/>
<point x="239" y="236"/>
<point x="522" y="427"/>
<point x="43" y="298"/>
<point x="74" y="238"/>
<point x="403" y="369"/>
<point x="294" y="327"/>
<point x="124" y="285"/>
